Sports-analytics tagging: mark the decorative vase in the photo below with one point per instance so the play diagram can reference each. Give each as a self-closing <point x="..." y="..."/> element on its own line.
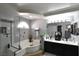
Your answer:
<point x="30" y="38"/>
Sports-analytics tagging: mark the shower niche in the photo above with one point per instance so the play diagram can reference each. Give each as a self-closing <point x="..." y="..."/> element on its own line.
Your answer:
<point x="3" y="30"/>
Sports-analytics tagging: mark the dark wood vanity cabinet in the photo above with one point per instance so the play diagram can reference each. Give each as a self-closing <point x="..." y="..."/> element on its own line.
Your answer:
<point x="60" y="49"/>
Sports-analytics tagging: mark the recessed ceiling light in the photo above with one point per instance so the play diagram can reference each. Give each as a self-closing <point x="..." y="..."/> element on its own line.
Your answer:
<point x="31" y="16"/>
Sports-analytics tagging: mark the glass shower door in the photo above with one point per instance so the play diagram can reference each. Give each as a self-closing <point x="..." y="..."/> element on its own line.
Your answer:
<point x="5" y="37"/>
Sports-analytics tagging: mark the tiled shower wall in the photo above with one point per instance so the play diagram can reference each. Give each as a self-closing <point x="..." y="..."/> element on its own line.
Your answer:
<point x="7" y="13"/>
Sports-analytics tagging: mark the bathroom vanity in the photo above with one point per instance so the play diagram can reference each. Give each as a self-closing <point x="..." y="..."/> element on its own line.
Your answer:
<point x="61" y="48"/>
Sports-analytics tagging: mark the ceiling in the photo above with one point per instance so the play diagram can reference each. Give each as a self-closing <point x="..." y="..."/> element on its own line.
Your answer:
<point x="46" y="8"/>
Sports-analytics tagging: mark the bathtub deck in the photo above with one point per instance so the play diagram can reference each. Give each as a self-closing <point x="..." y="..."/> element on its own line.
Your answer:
<point x="37" y="53"/>
<point x="25" y="43"/>
<point x="26" y="47"/>
<point x="40" y="53"/>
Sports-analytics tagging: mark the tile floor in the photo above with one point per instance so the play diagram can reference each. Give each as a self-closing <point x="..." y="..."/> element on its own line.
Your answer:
<point x="48" y="54"/>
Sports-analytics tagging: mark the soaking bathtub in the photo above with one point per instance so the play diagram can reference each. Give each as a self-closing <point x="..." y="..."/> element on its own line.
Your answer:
<point x="26" y="47"/>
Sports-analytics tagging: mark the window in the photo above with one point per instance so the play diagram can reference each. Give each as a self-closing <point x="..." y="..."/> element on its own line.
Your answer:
<point x="23" y="24"/>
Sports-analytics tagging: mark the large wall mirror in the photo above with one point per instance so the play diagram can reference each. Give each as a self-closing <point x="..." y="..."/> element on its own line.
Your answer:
<point x="74" y="29"/>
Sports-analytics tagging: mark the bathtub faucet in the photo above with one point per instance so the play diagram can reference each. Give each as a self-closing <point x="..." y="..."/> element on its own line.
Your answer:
<point x="19" y="47"/>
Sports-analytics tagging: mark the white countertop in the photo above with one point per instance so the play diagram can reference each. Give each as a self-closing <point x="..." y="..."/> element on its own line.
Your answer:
<point x="62" y="42"/>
